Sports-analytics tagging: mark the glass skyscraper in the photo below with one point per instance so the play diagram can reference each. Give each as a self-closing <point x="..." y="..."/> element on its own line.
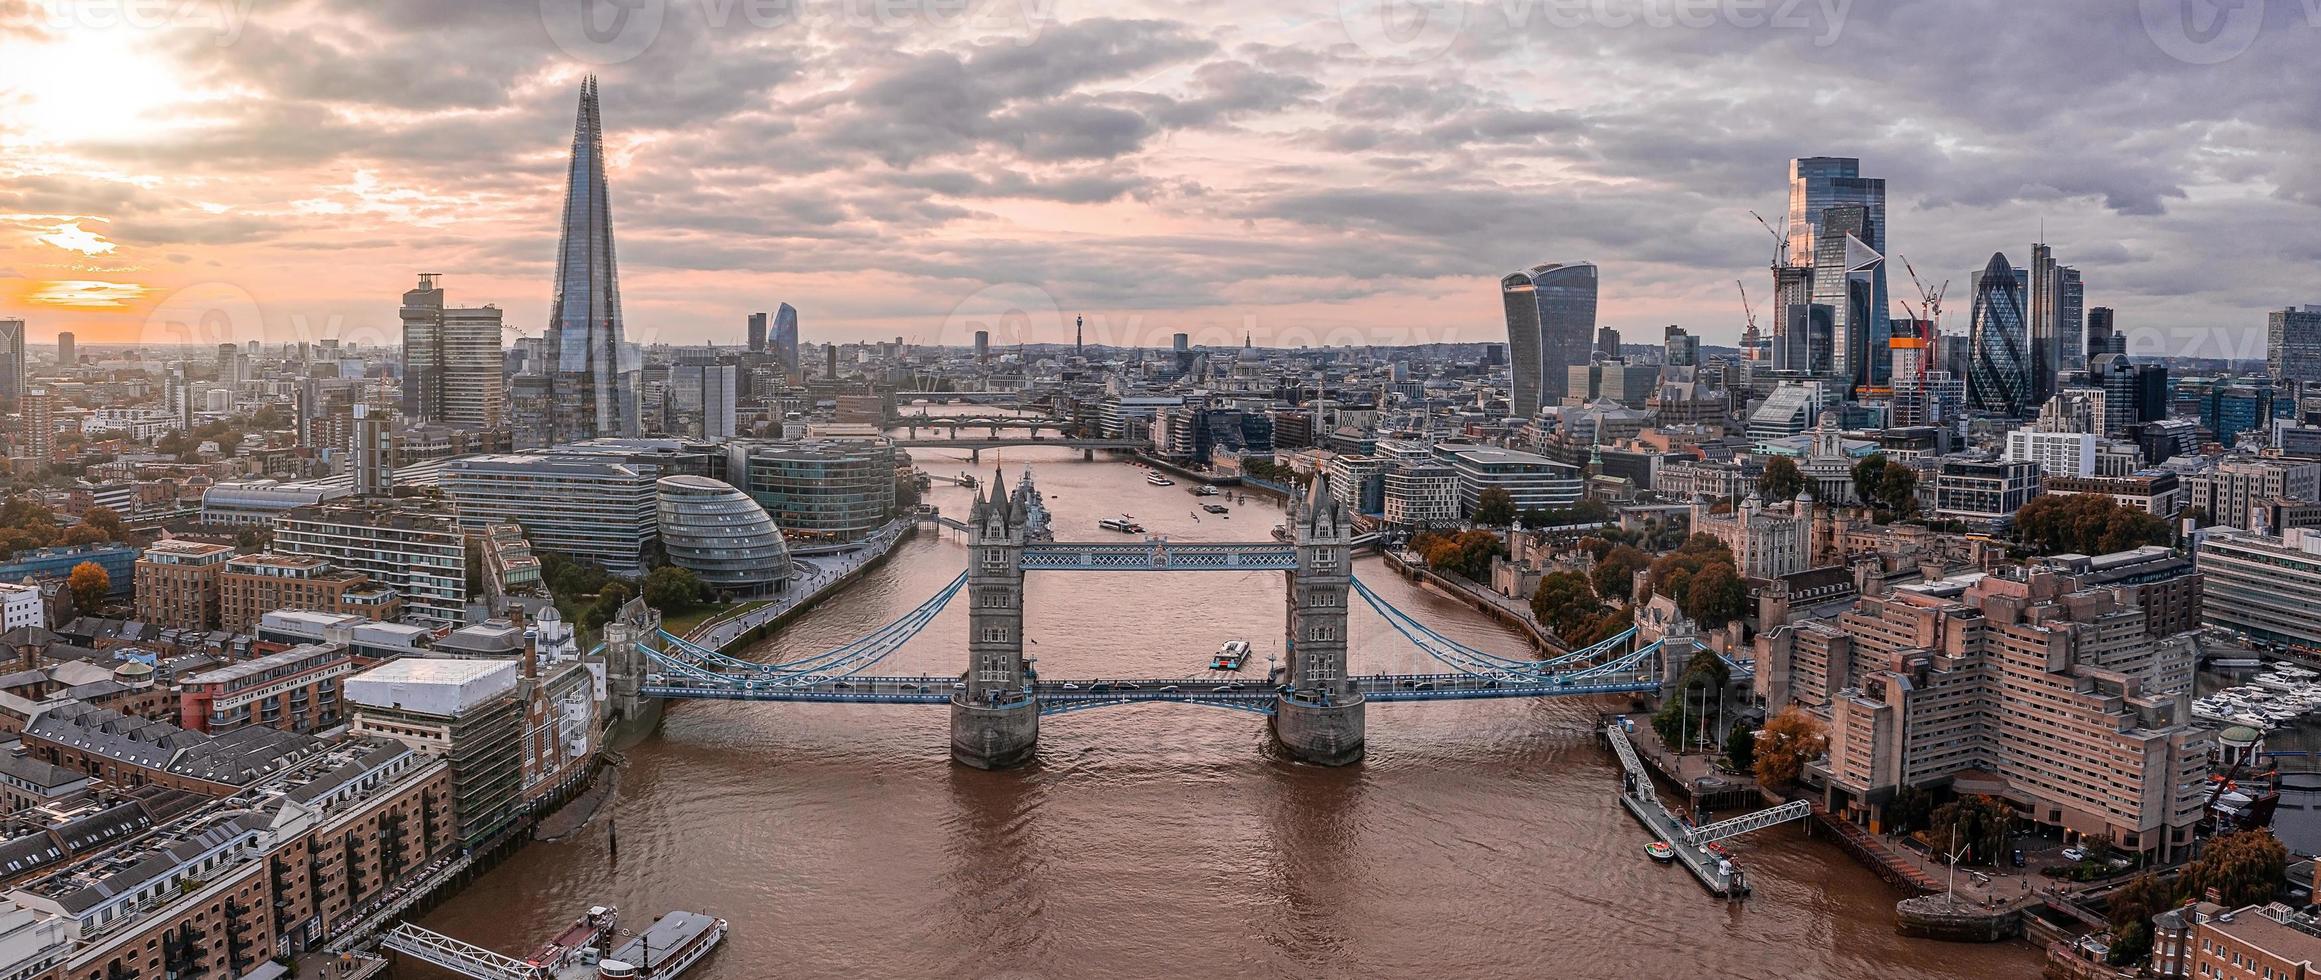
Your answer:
<point x="592" y="375"/>
<point x="1551" y="325"/>
<point x="1816" y="186"/>
<point x="785" y="340"/>
<point x="1998" y="377"/>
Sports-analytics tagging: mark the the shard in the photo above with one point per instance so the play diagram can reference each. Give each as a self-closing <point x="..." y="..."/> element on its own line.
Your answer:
<point x="592" y="376"/>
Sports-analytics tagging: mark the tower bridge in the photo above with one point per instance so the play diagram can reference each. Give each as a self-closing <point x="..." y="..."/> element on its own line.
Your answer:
<point x="1316" y="709"/>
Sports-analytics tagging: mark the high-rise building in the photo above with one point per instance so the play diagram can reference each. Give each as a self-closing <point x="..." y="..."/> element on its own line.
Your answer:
<point x="1847" y="274"/>
<point x="67" y="353"/>
<point x="374" y="453"/>
<point x="12" y="371"/>
<point x="983" y="345"/>
<point x="1823" y="268"/>
<point x="177" y="583"/>
<point x="1681" y="349"/>
<point x="1607" y="342"/>
<point x="2103" y="333"/>
<point x="2231" y="409"/>
<point x="593" y="377"/>
<point x="1999" y="376"/>
<point x="2292" y="344"/>
<point x="2071" y="316"/>
<point x="38" y="413"/>
<point x="599" y="511"/>
<point x="2041" y="325"/>
<point x="785" y="339"/>
<point x="229" y="364"/>
<point x="451" y="360"/>
<point x="1551" y="315"/>
<point x="757" y="333"/>
<point x="707" y="387"/>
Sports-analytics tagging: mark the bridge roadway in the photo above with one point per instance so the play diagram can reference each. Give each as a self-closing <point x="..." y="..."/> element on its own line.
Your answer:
<point x="1007" y="442"/>
<point x="1221" y="689"/>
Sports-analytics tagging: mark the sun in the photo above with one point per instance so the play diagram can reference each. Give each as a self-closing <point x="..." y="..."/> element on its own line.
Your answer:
<point x="76" y="84"/>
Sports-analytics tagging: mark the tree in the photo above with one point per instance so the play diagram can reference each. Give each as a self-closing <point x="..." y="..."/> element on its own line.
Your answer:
<point x="1979" y="825"/>
<point x="2085" y="523"/>
<point x="1495" y="507"/>
<point x="673" y="590"/>
<point x="1715" y="595"/>
<point x="90" y="584"/>
<point x="1870" y="478"/>
<point x="1782" y="480"/>
<point x="1673" y="573"/>
<point x="1789" y="741"/>
<point x="1697" y="703"/>
<point x="1565" y="604"/>
<point x="2131" y="912"/>
<point x="607" y="606"/>
<point x="2243" y="868"/>
<point x="1615" y="574"/>
<point x="1466" y="553"/>
<point x="1741" y="748"/>
<point x="1898" y="491"/>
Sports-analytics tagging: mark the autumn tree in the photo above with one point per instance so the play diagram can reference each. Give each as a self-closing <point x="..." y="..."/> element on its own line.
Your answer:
<point x="1673" y="575"/>
<point x="1495" y="507"/>
<point x="1715" y="595"/>
<point x="1565" y="604"/>
<point x="1615" y="572"/>
<point x="90" y="584"/>
<point x="2243" y="868"/>
<point x="2085" y="523"/>
<point x="2131" y="911"/>
<point x="1786" y="743"/>
<point x="1466" y="553"/>
<point x="1782" y="480"/>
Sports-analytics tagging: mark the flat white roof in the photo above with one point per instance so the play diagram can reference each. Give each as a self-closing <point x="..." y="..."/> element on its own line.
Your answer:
<point x="433" y="686"/>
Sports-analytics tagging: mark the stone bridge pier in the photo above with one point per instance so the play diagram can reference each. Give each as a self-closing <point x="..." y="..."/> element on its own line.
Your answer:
<point x="995" y="721"/>
<point x="1320" y="718"/>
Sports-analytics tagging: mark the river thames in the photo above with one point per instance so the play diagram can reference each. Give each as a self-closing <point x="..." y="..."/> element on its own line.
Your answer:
<point x="1479" y="839"/>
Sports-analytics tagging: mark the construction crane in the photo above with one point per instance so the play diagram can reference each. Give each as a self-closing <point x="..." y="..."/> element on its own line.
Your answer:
<point x="1780" y="241"/>
<point x="1748" y="332"/>
<point x="1928" y="315"/>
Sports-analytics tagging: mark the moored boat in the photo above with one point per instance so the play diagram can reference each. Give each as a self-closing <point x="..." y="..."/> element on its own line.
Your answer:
<point x="1660" y="851"/>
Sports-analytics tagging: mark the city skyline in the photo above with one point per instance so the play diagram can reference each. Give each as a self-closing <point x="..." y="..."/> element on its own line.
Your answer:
<point x="1305" y="181"/>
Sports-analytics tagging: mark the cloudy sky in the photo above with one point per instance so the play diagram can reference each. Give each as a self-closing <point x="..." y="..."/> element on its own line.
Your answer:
<point x="1322" y="172"/>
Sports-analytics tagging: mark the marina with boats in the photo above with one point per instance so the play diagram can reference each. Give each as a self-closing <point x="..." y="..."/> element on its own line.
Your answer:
<point x="584" y="950"/>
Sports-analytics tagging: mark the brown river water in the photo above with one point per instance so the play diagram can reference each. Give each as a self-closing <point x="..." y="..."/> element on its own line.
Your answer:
<point x="1479" y="839"/>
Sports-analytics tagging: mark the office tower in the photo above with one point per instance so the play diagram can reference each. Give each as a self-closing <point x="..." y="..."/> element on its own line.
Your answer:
<point x="595" y="390"/>
<point x="67" y="354"/>
<point x="2042" y="323"/>
<point x="983" y="345"/>
<point x="2293" y="344"/>
<point x="229" y="364"/>
<point x="1792" y="290"/>
<point x="1822" y="268"/>
<point x="757" y="333"/>
<point x="1682" y="349"/>
<point x="374" y="455"/>
<point x="1551" y="313"/>
<point x="705" y="386"/>
<point x="785" y="339"/>
<point x="2231" y="409"/>
<point x="830" y="361"/>
<point x="451" y="360"/>
<point x="12" y="376"/>
<point x="2071" y="319"/>
<point x="1802" y="344"/>
<point x="1998" y="377"/>
<point x="2100" y="331"/>
<point x="1181" y="343"/>
<point x="1847" y="274"/>
<point x="1607" y="342"/>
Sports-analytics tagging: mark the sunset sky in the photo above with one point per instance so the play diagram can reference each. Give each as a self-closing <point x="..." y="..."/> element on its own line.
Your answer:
<point x="197" y="170"/>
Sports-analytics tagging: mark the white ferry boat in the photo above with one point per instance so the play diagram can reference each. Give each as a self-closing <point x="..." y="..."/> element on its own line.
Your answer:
<point x="1205" y="490"/>
<point x="1122" y="524"/>
<point x="671" y="946"/>
<point x="1158" y="480"/>
<point x="1230" y="656"/>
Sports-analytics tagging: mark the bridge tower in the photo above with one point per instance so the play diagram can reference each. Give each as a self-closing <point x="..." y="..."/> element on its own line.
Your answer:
<point x="995" y="720"/>
<point x="1320" y="718"/>
<point x="625" y="664"/>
